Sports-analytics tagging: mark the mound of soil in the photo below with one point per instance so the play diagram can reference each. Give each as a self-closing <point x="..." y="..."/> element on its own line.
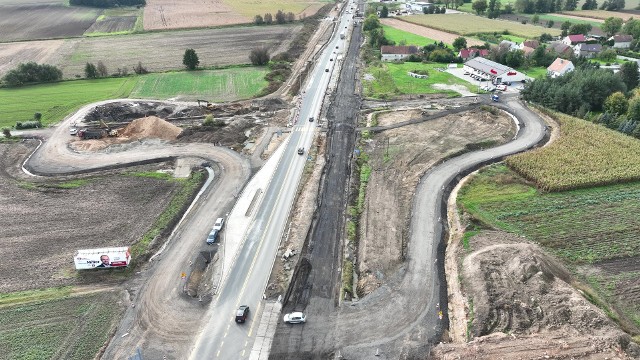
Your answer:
<point x="150" y="127"/>
<point x="524" y="307"/>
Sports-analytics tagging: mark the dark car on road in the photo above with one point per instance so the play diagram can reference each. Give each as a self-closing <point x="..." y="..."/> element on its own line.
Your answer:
<point x="242" y="313"/>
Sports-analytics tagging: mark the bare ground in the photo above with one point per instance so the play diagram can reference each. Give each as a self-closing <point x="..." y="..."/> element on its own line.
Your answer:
<point x="522" y="306"/>
<point x="398" y="159"/>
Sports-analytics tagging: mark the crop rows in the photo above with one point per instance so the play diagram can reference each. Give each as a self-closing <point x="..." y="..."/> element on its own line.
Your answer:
<point x="586" y="225"/>
<point x="69" y="328"/>
<point x="585" y="155"/>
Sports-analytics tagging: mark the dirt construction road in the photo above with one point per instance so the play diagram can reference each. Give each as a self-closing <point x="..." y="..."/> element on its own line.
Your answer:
<point x="159" y="312"/>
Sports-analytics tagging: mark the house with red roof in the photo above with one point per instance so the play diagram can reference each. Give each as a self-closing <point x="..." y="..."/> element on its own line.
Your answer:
<point x="574" y="39"/>
<point x="470" y="53"/>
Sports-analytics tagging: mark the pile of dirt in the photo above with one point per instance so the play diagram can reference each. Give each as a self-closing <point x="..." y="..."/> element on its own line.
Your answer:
<point x="150" y="127"/>
<point x="515" y="288"/>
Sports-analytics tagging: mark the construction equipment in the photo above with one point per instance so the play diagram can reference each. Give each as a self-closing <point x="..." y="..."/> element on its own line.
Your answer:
<point x="206" y="104"/>
<point x="86" y="134"/>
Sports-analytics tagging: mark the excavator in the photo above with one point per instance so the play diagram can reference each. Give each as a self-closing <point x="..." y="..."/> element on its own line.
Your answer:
<point x="110" y="132"/>
<point x="206" y="104"/>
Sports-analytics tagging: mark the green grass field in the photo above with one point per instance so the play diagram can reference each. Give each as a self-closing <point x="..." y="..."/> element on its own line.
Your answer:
<point x="465" y="24"/>
<point x="213" y="85"/>
<point x="55" y="101"/>
<point x="580" y="226"/>
<point x="559" y="19"/>
<point x="399" y="36"/>
<point x="535" y="72"/>
<point x="68" y="327"/>
<point x="392" y="80"/>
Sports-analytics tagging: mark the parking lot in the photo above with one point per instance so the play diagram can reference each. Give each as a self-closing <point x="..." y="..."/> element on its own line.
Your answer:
<point x="485" y="85"/>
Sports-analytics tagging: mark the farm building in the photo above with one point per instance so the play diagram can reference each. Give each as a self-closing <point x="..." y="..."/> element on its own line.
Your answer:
<point x="559" y="67"/>
<point x="492" y="70"/>
<point x="470" y="53"/>
<point x="621" y="41"/>
<point x="391" y="53"/>
<point x="574" y="39"/>
<point x="509" y="45"/>
<point x="587" y="50"/>
<point x="416" y="6"/>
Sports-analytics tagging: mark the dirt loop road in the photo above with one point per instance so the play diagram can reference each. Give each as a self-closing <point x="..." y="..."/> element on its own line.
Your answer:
<point x="161" y="315"/>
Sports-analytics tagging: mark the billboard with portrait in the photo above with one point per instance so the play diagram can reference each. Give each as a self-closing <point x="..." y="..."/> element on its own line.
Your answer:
<point x="104" y="258"/>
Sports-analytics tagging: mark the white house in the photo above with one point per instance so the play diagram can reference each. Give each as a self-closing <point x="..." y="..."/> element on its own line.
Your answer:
<point x="509" y="45"/>
<point x="559" y="67"/>
<point x="621" y="41"/>
<point x="391" y="53"/>
<point x="587" y="50"/>
<point x="492" y="70"/>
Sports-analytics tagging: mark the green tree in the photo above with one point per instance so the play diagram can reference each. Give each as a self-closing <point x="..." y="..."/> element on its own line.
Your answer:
<point x="493" y="9"/>
<point x="580" y="29"/>
<point x="616" y="104"/>
<point x="535" y="19"/>
<point x="90" y="71"/>
<point x="259" y="56"/>
<point x="6" y="132"/>
<point x="460" y="43"/>
<point x="268" y="18"/>
<point x="102" y="69"/>
<point x="384" y="13"/>
<point x="514" y="58"/>
<point x="258" y="20"/>
<point x="634" y="109"/>
<point x="570" y="5"/>
<point x="629" y="74"/>
<point x="632" y="27"/>
<point x="190" y="59"/>
<point x="370" y="23"/>
<point x="608" y="55"/>
<point x="479" y="6"/>
<point x="612" y="25"/>
<point x="281" y="18"/>
<point x="550" y="23"/>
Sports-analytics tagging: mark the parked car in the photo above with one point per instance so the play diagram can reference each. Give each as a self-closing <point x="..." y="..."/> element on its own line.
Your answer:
<point x="219" y="223"/>
<point x="502" y="87"/>
<point x="295" y="318"/>
<point x="213" y="237"/>
<point x="242" y="313"/>
<point x="73" y="131"/>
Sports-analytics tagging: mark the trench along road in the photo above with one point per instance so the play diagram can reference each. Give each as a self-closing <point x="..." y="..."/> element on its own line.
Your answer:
<point x="161" y="315"/>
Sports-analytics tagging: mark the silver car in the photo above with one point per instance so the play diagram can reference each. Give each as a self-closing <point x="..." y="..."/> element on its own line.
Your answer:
<point x="295" y="318"/>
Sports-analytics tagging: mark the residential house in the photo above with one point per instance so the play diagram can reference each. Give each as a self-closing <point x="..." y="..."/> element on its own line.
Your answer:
<point x="587" y="50"/>
<point x="391" y="53"/>
<point x="561" y="49"/>
<point x="487" y="69"/>
<point x="510" y="45"/>
<point x="574" y="39"/>
<point x="470" y="53"/>
<point x="621" y="41"/>
<point x="528" y="51"/>
<point x="533" y="44"/>
<point x="559" y="67"/>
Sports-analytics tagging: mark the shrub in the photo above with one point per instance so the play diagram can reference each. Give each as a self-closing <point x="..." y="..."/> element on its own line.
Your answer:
<point x="259" y="56"/>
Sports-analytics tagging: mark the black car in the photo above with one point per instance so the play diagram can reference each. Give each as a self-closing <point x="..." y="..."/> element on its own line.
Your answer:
<point x="311" y="119"/>
<point x="242" y="313"/>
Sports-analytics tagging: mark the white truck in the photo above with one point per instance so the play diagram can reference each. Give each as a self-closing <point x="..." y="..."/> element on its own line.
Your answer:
<point x="342" y="35"/>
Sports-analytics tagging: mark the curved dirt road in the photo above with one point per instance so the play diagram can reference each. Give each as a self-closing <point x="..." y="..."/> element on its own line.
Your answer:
<point x="411" y="320"/>
<point x="161" y="320"/>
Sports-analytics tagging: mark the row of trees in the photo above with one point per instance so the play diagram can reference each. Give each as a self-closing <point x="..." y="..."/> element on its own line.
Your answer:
<point x="107" y="3"/>
<point x="31" y="73"/>
<point x="280" y="18"/>
<point x="434" y="10"/>
<point x="493" y="7"/>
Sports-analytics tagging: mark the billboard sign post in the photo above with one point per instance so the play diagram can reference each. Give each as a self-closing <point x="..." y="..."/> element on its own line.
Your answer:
<point x="103" y="258"/>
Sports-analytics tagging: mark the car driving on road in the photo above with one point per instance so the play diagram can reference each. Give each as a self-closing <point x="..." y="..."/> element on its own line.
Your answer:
<point x="242" y="313"/>
<point x="300" y="151"/>
<point x="213" y="237"/>
<point x="295" y="318"/>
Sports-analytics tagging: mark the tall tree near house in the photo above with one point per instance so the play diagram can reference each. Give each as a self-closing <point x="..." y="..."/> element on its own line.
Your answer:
<point x="479" y="6"/>
<point x="190" y="59"/>
<point x="384" y="13"/>
<point x="629" y="74"/>
<point x="612" y="25"/>
<point x="459" y="43"/>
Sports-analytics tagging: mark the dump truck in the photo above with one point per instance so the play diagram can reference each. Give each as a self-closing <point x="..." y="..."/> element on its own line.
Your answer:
<point x="91" y="134"/>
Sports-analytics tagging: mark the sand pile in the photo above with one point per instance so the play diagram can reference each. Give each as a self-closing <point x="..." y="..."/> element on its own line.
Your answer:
<point x="150" y="127"/>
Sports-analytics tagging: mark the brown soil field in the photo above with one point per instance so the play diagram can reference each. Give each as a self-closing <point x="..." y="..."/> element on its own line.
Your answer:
<point x="412" y="151"/>
<point x="521" y="305"/>
<point x="568" y="15"/>
<point x="169" y="14"/>
<point x="113" y="24"/>
<point x="596" y="15"/>
<point x="430" y="33"/>
<point x="42" y="225"/>
<point x="32" y="22"/>
<point x="215" y="47"/>
<point x="42" y="52"/>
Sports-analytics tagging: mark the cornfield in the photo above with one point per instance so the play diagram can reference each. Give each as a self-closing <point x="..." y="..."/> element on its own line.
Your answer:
<point x="585" y="155"/>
